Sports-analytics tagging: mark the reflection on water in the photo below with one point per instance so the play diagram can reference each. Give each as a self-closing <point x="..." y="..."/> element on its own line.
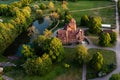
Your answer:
<point x="38" y="29"/>
<point x="41" y="27"/>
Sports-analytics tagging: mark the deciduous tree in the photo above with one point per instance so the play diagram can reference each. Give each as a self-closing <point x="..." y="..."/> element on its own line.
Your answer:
<point x="38" y="66"/>
<point x="94" y="25"/>
<point x="115" y="77"/>
<point x="27" y="51"/>
<point x="113" y="36"/>
<point x="104" y="39"/>
<point x="84" y="20"/>
<point x="82" y="55"/>
<point x="97" y="61"/>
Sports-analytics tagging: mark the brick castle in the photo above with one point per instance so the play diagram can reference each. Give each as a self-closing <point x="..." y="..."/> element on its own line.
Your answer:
<point x="71" y="34"/>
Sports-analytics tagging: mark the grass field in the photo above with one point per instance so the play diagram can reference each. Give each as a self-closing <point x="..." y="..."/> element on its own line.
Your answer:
<point x="7" y="1"/>
<point x="58" y="72"/>
<point x="109" y="58"/>
<point x="107" y="14"/>
<point x="2" y="58"/>
<point x="94" y="40"/>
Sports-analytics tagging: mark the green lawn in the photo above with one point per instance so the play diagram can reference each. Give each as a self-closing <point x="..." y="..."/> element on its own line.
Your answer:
<point x="3" y="59"/>
<point x="58" y="72"/>
<point x="109" y="58"/>
<point x="94" y="39"/>
<point x="7" y="1"/>
<point x="107" y="14"/>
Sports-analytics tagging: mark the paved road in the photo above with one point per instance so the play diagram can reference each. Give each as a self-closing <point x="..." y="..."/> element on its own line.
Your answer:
<point x="117" y="49"/>
<point x="84" y="72"/>
<point x="4" y="64"/>
<point x="6" y="78"/>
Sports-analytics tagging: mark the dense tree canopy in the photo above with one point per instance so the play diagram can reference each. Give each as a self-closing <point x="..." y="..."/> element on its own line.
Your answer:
<point x="19" y="19"/>
<point x="43" y="6"/>
<point x="52" y="46"/>
<point x="97" y="61"/>
<point x="104" y="39"/>
<point x="113" y="36"/>
<point x="94" y="25"/>
<point x="38" y="66"/>
<point x="82" y="55"/>
<point x="51" y="5"/>
<point x="68" y="16"/>
<point x="84" y="20"/>
<point x="115" y="77"/>
<point x="27" y="51"/>
<point x="26" y="2"/>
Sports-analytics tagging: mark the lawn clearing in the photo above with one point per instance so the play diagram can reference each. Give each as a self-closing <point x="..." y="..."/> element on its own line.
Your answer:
<point x="94" y="39"/>
<point x="58" y="72"/>
<point x="109" y="58"/>
<point x="7" y="1"/>
<point x="107" y="14"/>
<point x="3" y="58"/>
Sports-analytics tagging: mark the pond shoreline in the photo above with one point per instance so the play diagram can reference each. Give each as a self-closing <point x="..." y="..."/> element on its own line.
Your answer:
<point x="23" y="38"/>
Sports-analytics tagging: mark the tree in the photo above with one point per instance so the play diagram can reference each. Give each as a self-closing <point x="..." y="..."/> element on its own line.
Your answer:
<point x="104" y="39"/>
<point x="27" y="51"/>
<point x="39" y="14"/>
<point x="115" y="77"/>
<point x="51" y="5"/>
<point x="82" y="55"/>
<point x="16" y="4"/>
<point x="113" y="36"/>
<point x="84" y="20"/>
<point x="47" y="33"/>
<point x="67" y="16"/>
<point x="97" y="61"/>
<point x="42" y="6"/>
<point x="64" y="5"/>
<point x="39" y="44"/>
<point x="61" y="15"/>
<point x="38" y="66"/>
<point x="26" y="12"/>
<point x="54" y="16"/>
<point x="94" y="25"/>
<point x="26" y="2"/>
<point x="56" y="50"/>
<point x="52" y="46"/>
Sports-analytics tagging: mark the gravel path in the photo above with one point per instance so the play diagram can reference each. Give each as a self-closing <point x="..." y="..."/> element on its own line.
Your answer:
<point x="6" y="78"/>
<point x="4" y="64"/>
<point x="93" y="8"/>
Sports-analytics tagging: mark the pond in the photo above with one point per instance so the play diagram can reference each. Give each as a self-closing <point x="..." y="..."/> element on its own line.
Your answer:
<point x="16" y="46"/>
<point x="42" y="26"/>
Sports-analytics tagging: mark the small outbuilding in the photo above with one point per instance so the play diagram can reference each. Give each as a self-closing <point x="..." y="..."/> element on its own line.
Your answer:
<point x="106" y="26"/>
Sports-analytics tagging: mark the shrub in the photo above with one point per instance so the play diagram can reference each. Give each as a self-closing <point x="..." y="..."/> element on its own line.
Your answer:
<point x="38" y="66"/>
<point x="27" y="51"/>
<point x="42" y="6"/>
<point x="97" y="61"/>
<point x="52" y="46"/>
<point x="8" y="68"/>
<point x="94" y="24"/>
<point x="66" y="65"/>
<point x="84" y="20"/>
<point x="115" y="77"/>
<point x="82" y="55"/>
<point x="1" y="77"/>
<point x="104" y="39"/>
<point x="113" y="36"/>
